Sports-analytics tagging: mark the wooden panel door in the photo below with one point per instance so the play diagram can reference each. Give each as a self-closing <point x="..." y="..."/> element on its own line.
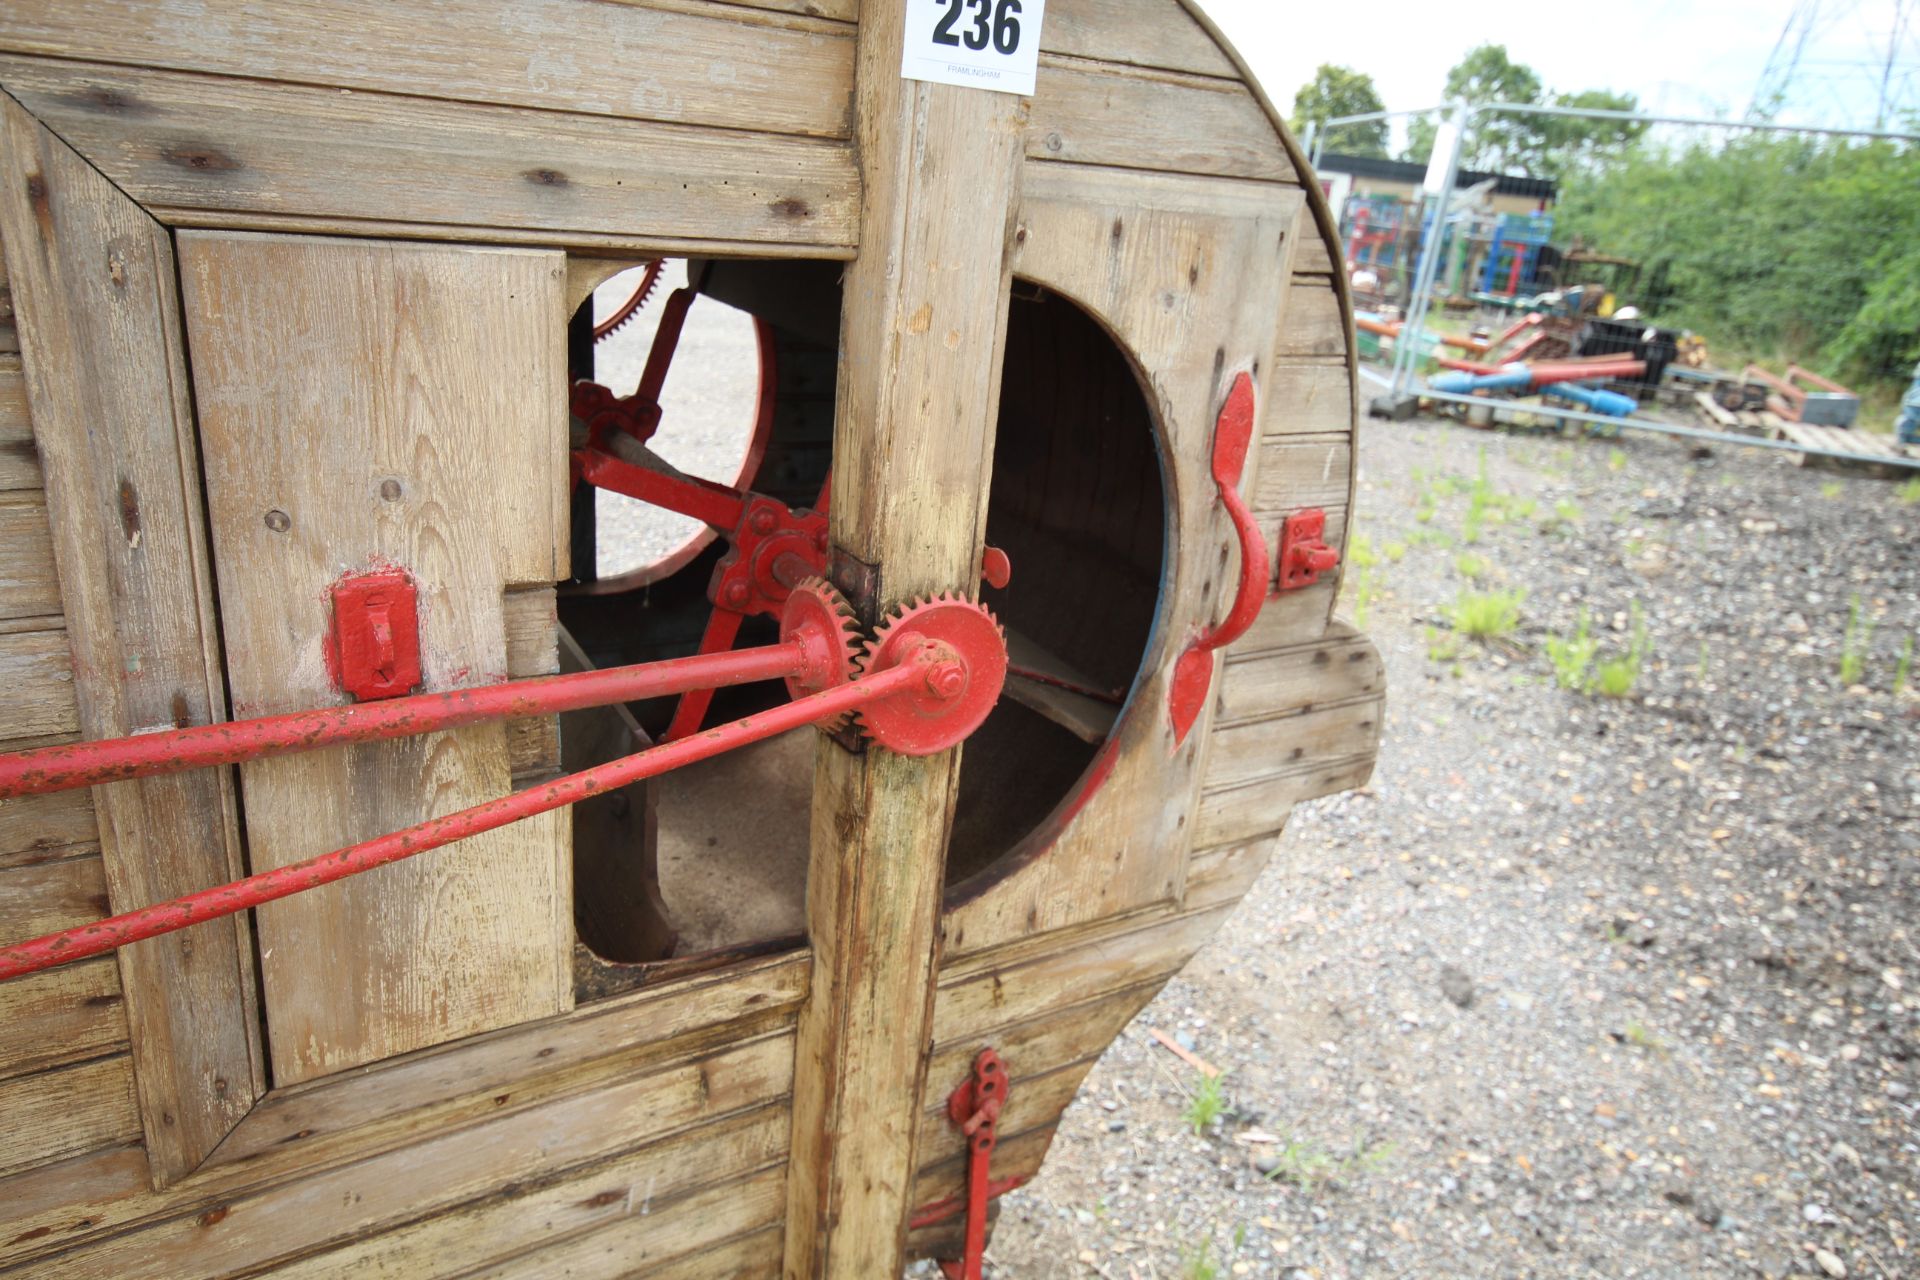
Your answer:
<point x="365" y="405"/>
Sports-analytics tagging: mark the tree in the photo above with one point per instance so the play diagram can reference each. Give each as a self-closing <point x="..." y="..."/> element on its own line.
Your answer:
<point x="1341" y="91"/>
<point x="1540" y="146"/>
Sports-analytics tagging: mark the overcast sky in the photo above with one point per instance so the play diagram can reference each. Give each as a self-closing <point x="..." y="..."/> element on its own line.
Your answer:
<point x="1686" y="57"/>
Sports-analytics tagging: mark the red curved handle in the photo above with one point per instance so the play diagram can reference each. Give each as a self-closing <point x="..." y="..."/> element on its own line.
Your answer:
<point x="1193" y="674"/>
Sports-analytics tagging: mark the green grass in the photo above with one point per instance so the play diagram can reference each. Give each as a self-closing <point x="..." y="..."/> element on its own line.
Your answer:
<point x="1637" y="1034"/>
<point x="1470" y="566"/>
<point x="1909" y="492"/>
<point x="1442" y="646"/>
<point x="1832" y="489"/>
<point x="1903" y="669"/>
<point x="1197" y="1263"/>
<point x="1853" y="649"/>
<point x="1363" y="594"/>
<point x="1572" y="656"/>
<point x="1486" y="614"/>
<point x="1207" y="1102"/>
<point x="1309" y="1166"/>
<point x="1616" y="459"/>
<point x="1615" y="677"/>
<point x="1395" y="551"/>
<point x="1568" y="510"/>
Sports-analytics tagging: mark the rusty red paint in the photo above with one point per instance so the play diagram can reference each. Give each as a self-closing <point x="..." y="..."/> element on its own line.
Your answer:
<point x="937" y="678"/>
<point x="83" y="764"/>
<point x="1193" y="673"/>
<point x="268" y="886"/>
<point x="376" y="634"/>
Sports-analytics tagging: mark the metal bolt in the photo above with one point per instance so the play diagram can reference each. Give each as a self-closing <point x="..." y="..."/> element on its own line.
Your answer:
<point x="947" y="679"/>
<point x="736" y="593"/>
<point x="390" y="489"/>
<point x="763" y="521"/>
<point x="279" y="521"/>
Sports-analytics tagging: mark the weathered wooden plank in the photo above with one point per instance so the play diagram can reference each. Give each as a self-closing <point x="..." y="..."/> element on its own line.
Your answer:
<point x="1146" y="33"/>
<point x="1107" y="961"/>
<point x="1294" y="616"/>
<point x="241" y="147"/>
<point x="383" y="1105"/>
<point x="672" y="1239"/>
<point x="921" y="353"/>
<point x="756" y="1253"/>
<point x="533" y="649"/>
<point x="1221" y="876"/>
<point x="41" y="828"/>
<point x="1308" y="398"/>
<point x="1262" y="806"/>
<point x="63" y="1015"/>
<point x="9" y="336"/>
<point x="1304" y="471"/>
<point x="1316" y="322"/>
<point x="1243" y="752"/>
<point x="1062" y="1035"/>
<point x="1315" y="257"/>
<point x="1122" y="243"/>
<point x="55" y="1113"/>
<point x="93" y="281"/>
<point x="52" y="895"/>
<point x="257" y="1228"/>
<point x="702" y="64"/>
<point x="399" y="1104"/>
<point x="1097" y="113"/>
<point x="29" y="587"/>
<point x="525" y="1229"/>
<point x="447" y="367"/>
<point x="1339" y="667"/>
<point x="19" y="461"/>
<point x="36" y="687"/>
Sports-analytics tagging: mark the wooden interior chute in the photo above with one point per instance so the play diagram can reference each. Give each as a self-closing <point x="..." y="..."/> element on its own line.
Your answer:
<point x="286" y="292"/>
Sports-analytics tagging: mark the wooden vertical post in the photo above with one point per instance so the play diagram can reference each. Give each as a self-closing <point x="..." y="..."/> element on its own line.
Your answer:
<point x="923" y="322"/>
<point x="93" y="277"/>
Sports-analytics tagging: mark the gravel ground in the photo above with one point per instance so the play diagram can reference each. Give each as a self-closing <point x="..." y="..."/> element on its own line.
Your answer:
<point x="1580" y="986"/>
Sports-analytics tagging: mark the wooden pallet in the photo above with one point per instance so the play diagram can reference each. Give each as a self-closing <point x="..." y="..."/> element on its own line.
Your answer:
<point x="1866" y="445"/>
<point x="1757" y="422"/>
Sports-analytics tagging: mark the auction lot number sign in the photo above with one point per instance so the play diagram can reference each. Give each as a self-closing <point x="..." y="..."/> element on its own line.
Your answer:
<point x="978" y="44"/>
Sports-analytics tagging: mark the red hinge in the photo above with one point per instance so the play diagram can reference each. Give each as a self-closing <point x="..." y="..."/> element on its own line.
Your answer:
<point x="1304" y="553"/>
<point x="376" y="634"/>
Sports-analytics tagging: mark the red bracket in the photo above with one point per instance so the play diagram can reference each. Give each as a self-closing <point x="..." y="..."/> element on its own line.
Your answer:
<point x="1304" y="553"/>
<point x="975" y="1110"/>
<point x="376" y="634"/>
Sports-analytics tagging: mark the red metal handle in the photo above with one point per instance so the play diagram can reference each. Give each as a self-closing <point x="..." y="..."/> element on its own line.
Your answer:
<point x="1193" y="674"/>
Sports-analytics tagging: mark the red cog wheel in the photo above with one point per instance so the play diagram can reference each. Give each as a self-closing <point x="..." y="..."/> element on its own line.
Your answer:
<point x="819" y="618"/>
<point x="965" y="653"/>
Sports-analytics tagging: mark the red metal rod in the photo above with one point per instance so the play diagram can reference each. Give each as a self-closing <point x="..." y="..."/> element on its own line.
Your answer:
<point x="711" y="504"/>
<point x="85" y="764"/>
<point x="267" y="886"/>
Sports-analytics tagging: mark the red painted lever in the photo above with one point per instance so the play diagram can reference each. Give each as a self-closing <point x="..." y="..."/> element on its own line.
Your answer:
<point x="1193" y="674"/>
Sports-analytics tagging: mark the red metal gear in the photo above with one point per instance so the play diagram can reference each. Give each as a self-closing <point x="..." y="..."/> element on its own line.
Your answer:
<point x="821" y="620"/>
<point x="631" y="307"/>
<point x="964" y="652"/>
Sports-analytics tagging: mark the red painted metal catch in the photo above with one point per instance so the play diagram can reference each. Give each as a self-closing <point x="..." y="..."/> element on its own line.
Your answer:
<point x="1193" y="673"/>
<point x="1304" y="553"/>
<point x="975" y="1109"/>
<point x="376" y="634"/>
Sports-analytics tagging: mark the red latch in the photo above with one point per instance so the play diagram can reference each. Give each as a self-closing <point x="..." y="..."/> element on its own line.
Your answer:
<point x="376" y="635"/>
<point x="974" y="1108"/>
<point x="1304" y="553"/>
